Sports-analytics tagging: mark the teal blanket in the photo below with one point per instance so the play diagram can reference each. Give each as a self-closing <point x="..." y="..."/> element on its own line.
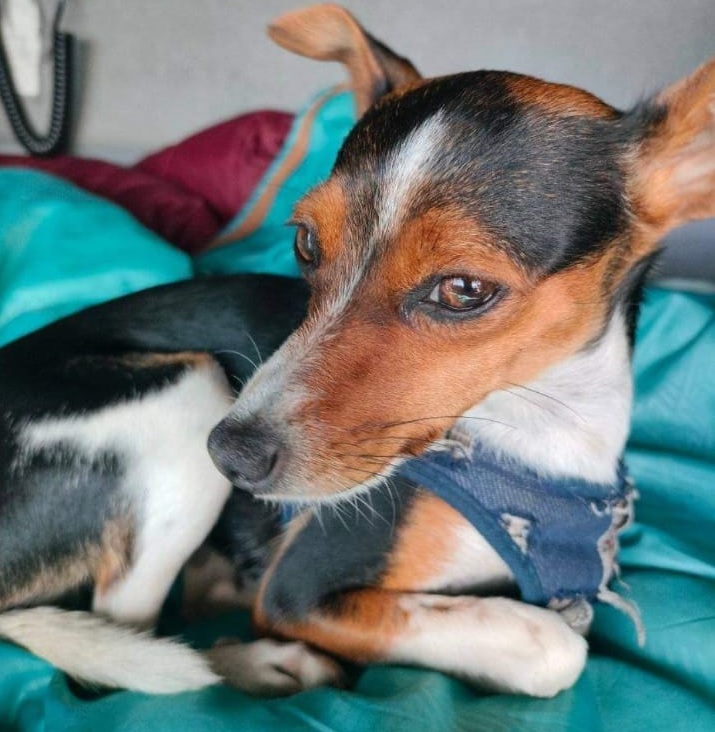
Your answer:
<point x="61" y="250"/>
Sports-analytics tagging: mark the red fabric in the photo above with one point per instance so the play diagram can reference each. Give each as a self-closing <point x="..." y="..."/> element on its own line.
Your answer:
<point x="225" y="162"/>
<point x="187" y="192"/>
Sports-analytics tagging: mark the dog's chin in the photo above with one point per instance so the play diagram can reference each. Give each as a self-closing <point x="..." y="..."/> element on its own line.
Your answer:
<point x="318" y="491"/>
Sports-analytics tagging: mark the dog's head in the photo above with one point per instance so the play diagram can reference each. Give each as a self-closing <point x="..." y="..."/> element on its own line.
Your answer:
<point x="476" y="230"/>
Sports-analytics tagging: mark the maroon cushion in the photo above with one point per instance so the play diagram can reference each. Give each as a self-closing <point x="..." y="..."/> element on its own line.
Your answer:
<point x="225" y="162"/>
<point x="179" y="216"/>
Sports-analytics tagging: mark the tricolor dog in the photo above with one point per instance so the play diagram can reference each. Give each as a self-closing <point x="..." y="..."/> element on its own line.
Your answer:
<point x="475" y="262"/>
<point x="475" y="259"/>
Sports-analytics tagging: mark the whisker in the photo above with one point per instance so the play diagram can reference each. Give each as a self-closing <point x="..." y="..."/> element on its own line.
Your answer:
<point x="317" y="512"/>
<point x="393" y="438"/>
<point x="542" y="394"/>
<point x="338" y="513"/>
<point x="322" y="461"/>
<point x="353" y="500"/>
<point x="255" y="347"/>
<point x="238" y="353"/>
<point x="387" y="425"/>
<point x="389" y="484"/>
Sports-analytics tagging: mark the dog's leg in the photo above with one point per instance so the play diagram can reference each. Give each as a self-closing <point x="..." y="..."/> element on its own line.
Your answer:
<point x="175" y="494"/>
<point x="175" y="524"/>
<point x="495" y="642"/>
<point x="272" y="668"/>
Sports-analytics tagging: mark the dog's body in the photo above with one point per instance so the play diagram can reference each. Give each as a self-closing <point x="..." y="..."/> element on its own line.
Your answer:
<point x="475" y="260"/>
<point x="105" y="481"/>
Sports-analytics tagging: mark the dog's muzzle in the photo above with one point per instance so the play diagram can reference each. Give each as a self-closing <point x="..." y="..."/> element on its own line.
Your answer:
<point x="249" y="452"/>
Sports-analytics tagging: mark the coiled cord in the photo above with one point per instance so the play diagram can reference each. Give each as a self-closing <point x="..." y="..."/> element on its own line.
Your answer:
<point x="57" y="138"/>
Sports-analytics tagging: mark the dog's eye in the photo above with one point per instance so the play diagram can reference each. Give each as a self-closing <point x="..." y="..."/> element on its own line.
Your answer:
<point x="461" y="294"/>
<point x="306" y="246"/>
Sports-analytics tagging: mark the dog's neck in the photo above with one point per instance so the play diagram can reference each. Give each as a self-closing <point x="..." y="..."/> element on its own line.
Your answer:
<point x="571" y="421"/>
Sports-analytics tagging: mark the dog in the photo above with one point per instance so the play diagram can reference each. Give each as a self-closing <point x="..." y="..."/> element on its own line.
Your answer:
<point x="106" y="484"/>
<point x="476" y="259"/>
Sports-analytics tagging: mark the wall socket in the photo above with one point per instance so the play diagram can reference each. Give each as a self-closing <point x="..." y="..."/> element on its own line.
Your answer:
<point x="21" y="25"/>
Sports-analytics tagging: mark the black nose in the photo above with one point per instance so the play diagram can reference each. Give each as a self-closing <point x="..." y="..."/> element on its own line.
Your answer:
<point x="247" y="452"/>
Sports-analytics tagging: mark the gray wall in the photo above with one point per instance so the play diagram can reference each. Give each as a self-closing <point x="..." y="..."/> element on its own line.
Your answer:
<point x="157" y="70"/>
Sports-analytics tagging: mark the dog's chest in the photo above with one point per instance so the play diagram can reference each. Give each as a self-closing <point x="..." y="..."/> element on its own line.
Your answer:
<point x="557" y="536"/>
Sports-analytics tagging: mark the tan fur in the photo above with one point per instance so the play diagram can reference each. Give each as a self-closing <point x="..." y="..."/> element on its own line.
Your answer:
<point x="114" y="553"/>
<point x="103" y="563"/>
<point x="426" y="541"/>
<point x="673" y="176"/>
<point x="139" y="360"/>
<point x="50" y="582"/>
<point x="324" y="209"/>
<point x="361" y="631"/>
<point x="560" y="99"/>
<point x="377" y="385"/>
<point x="330" y="33"/>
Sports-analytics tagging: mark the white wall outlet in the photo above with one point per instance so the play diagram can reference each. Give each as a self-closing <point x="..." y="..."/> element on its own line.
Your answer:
<point x="21" y="26"/>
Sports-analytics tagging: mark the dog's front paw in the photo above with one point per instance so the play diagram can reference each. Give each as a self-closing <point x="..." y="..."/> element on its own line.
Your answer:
<point x="554" y="655"/>
<point x="272" y="668"/>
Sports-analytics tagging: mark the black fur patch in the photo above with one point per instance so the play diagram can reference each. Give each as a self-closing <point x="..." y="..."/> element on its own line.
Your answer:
<point x="629" y="294"/>
<point x="55" y="503"/>
<point x="245" y="532"/>
<point x="239" y="320"/>
<point x="548" y="187"/>
<point x="346" y="549"/>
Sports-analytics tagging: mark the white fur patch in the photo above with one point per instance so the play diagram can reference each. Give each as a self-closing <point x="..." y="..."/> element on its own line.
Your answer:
<point x="171" y="482"/>
<point x="472" y="566"/>
<point x="92" y="650"/>
<point x="571" y="421"/>
<point x="270" y="668"/>
<point x="406" y="169"/>
<point x="494" y="642"/>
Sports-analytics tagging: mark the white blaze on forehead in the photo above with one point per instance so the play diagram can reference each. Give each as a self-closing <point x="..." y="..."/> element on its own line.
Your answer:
<point x="274" y="387"/>
<point x="406" y="170"/>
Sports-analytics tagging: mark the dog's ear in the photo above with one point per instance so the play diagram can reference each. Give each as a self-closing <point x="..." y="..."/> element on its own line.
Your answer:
<point x="329" y="33"/>
<point x="675" y="167"/>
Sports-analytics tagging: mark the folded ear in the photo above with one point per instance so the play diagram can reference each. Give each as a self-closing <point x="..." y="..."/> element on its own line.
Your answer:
<point x="676" y="163"/>
<point x="329" y="33"/>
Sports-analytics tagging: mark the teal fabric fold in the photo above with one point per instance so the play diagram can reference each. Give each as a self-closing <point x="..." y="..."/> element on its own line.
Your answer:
<point x="62" y="249"/>
<point x="322" y="125"/>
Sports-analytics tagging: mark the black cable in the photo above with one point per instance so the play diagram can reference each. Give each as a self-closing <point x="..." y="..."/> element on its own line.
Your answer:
<point x="57" y="138"/>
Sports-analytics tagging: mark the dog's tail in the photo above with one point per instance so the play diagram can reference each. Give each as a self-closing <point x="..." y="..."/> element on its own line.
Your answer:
<point x="99" y="653"/>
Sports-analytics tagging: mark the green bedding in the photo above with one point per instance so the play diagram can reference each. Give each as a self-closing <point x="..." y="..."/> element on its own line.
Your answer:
<point x="61" y="249"/>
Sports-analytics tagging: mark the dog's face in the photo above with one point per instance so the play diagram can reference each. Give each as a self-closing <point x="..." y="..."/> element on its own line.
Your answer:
<point x="476" y="229"/>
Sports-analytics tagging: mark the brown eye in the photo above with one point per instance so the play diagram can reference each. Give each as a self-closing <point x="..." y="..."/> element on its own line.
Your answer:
<point x="462" y="294"/>
<point x="306" y="246"/>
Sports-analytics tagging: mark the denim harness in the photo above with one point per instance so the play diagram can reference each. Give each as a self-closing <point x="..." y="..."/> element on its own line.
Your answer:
<point x="557" y="535"/>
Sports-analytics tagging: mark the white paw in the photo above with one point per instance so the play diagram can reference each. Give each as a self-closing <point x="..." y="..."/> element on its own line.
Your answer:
<point x="494" y="642"/>
<point x="272" y="668"/>
<point x="555" y="655"/>
<point x="559" y="669"/>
